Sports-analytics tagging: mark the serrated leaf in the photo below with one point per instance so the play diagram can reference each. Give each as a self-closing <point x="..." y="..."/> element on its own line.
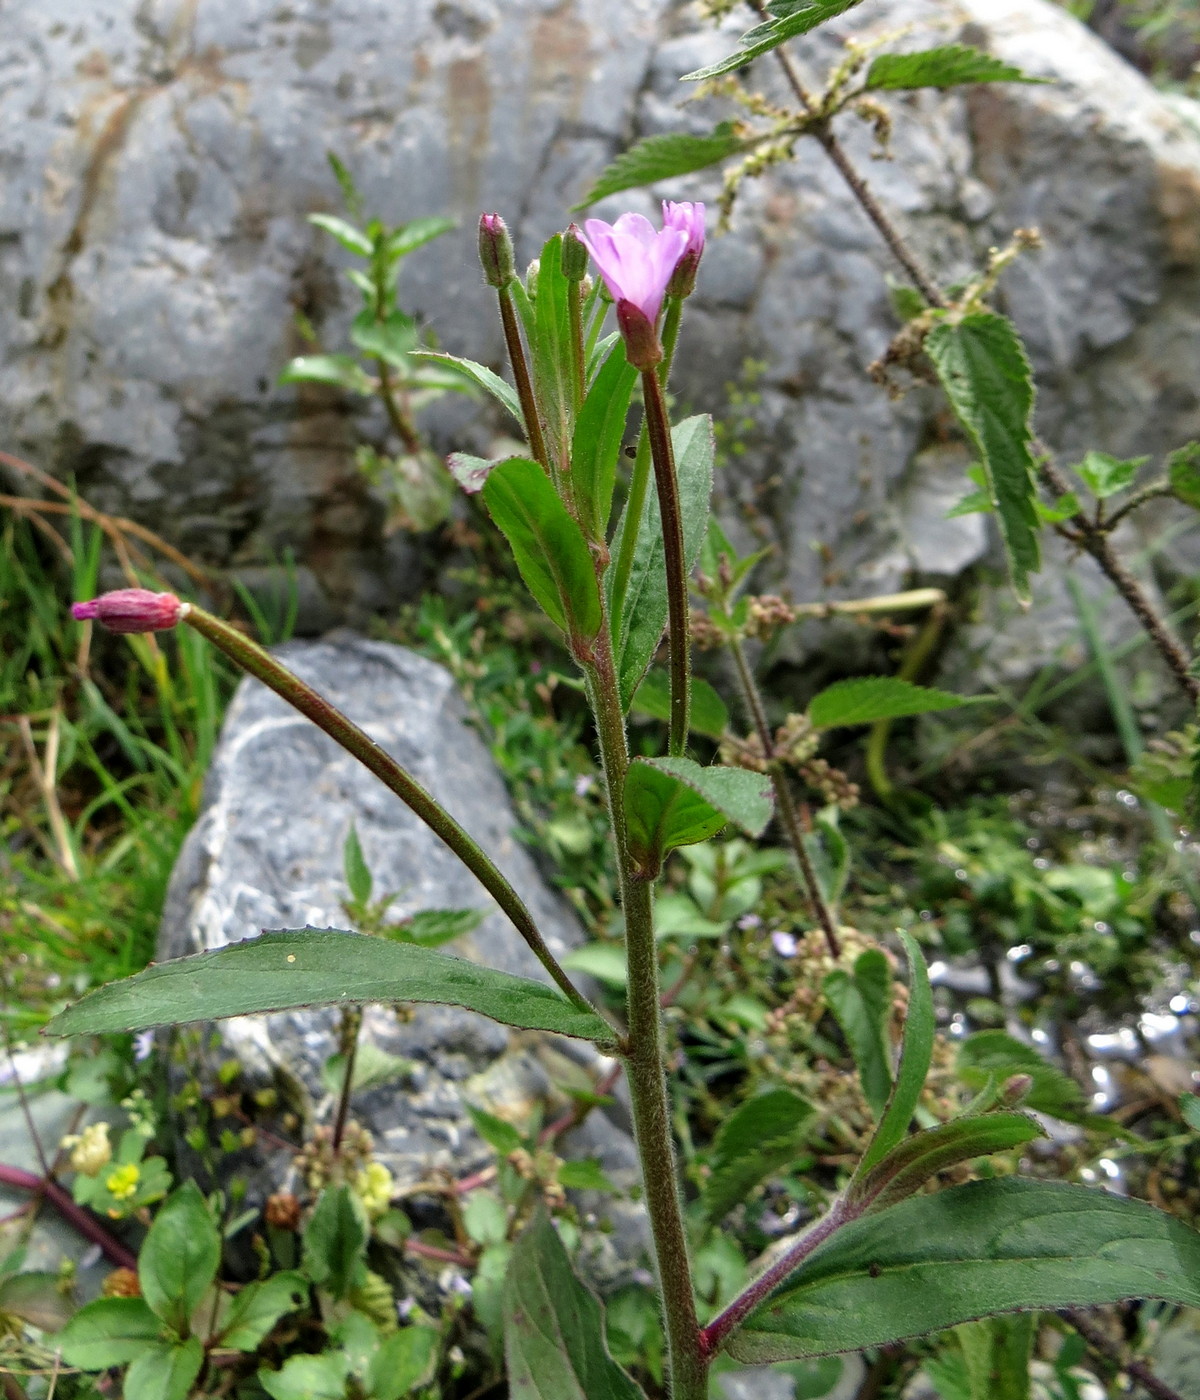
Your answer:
<point x="596" y="442"/>
<point x="335" y="1242"/>
<point x="997" y="1055"/>
<point x="355" y="868"/>
<point x="760" y="1137"/>
<point x="339" y="371"/>
<point x="584" y="1175"/>
<point x="108" y="1332"/>
<point x="946" y="66"/>
<point x="551" y="552"/>
<point x="672" y="802"/>
<point x="1105" y="475"/>
<point x="318" y="967"/>
<point x="862" y="1006"/>
<point x="870" y="698"/>
<point x="985" y="372"/>
<point x="935" y="1261"/>
<point x="258" y="1307"/>
<point x="478" y="375"/>
<point x="354" y="240"/>
<point x="554" y="1342"/>
<point x="789" y="19"/>
<point x="1183" y="473"/>
<point x="179" y="1258"/>
<point x="415" y="234"/>
<point x="164" y="1372"/>
<point x="644" y="612"/>
<point x="707" y="715"/>
<point x="662" y="158"/>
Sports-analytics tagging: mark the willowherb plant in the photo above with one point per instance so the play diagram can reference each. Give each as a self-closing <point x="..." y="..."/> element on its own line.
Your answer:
<point x="889" y="1259"/>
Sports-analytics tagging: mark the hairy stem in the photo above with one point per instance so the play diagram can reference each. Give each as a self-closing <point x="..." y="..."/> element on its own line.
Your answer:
<point x="83" y="1221"/>
<point x="784" y="801"/>
<point x="662" y="454"/>
<point x="578" y="358"/>
<point x="645" y="1067"/>
<point x="1111" y="1351"/>
<point x="401" y="423"/>
<point x="350" y="1027"/>
<point x="520" y="369"/>
<point x="264" y="667"/>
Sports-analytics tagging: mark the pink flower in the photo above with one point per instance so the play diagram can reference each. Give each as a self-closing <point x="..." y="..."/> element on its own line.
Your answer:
<point x="131" y="610"/>
<point x="635" y="259"/>
<point x="690" y="218"/>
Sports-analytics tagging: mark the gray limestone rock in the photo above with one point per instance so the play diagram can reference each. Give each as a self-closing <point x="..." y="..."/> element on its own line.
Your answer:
<point x="266" y="853"/>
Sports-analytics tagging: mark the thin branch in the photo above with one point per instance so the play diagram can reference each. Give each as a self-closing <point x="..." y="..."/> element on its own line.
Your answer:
<point x="87" y="1225"/>
<point x="1112" y="1351"/>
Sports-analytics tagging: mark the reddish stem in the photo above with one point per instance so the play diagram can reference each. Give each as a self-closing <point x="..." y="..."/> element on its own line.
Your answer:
<point x="87" y="1225"/>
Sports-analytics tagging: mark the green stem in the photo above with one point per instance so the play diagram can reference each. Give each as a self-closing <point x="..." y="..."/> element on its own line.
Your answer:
<point x="579" y="364"/>
<point x="351" y="1025"/>
<point x="662" y="454"/>
<point x="401" y="424"/>
<point x="645" y="1066"/>
<point x="520" y="369"/>
<point x="785" y="803"/>
<point x="263" y="667"/>
<point x="910" y="667"/>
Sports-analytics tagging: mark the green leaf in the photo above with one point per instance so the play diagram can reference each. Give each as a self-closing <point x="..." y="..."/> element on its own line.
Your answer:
<point x="938" y="1260"/>
<point x="862" y="1006"/>
<point x="179" y="1259"/>
<point x="596" y="443"/>
<point x="479" y="375"/>
<point x="865" y="700"/>
<point x="1183" y="472"/>
<point x="999" y="1056"/>
<point x="415" y="234"/>
<point x="259" y="1306"/>
<point x="943" y="67"/>
<point x="671" y="802"/>
<point x="996" y="1354"/>
<point x="919" y="1158"/>
<point x="164" y="1372"/>
<point x="548" y="545"/>
<point x="584" y="1175"/>
<point x="985" y="372"/>
<point x="1064" y="508"/>
<point x="662" y="158"/>
<point x="708" y="714"/>
<point x="433" y="927"/>
<point x="335" y="1242"/>
<point x="372" y="1066"/>
<point x="499" y="1134"/>
<point x="340" y="371"/>
<point x="402" y="1363"/>
<point x="354" y="240"/>
<point x="36" y="1297"/>
<point x="916" y="1052"/>
<point x="388" y="340"/>
<point x="108" y="1332"/>
<point x="603" y="961"/>
<point x="644" y="614"/>
<point x="554" y="1341"/>
<point x="551" y="350"/>
<point x="1189" y="1107"/>
<point x="355" y="868"/>
<point x="789" y="18"/>
<point x="318" y="967"/>
<point x="1104" y="476"/>
<point x="484" y="1218"/>
<point x="321" y="1377"/>
<point x="471" y="472"/>
<point x="759" y="1137"/>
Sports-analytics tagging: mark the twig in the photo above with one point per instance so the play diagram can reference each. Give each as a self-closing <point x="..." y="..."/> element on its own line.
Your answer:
<point x="1111" y="1351"/>
<point x="88" y="1226"/>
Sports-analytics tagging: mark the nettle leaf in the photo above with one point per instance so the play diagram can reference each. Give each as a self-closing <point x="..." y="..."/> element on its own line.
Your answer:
<point x="760" y="1137"/>
<point x="548" y="544"/>
<point x="996" y="1055"/>
<point x="943" y="67"/>
<point x="354" y="240"/>
<point x="707" y="716"/>
<point x="259" y="1306"/>
<point x="1183" y="472"/>
<point x="335" y="1242"/>
<point x="179" y="1259"/>
<point x="935" y="1261"/>
<point x="108" y="1332"/>
<point x="870" y="698"/>
<point x="985" y="372"/>
<point x="340" y="371"/>
<point x="318" y="967"/>
<point x="789" y="18"/>
<point x="554" y="1342"/>
<point x="596" y="443"/>
<point x="1104" y="476"/>
<point x="663" y="157"/>
<point x="862" y="1006"/>
<point x="478" y="375"/>
<point x="672" y="802"/>
<point x="644" y="612"/>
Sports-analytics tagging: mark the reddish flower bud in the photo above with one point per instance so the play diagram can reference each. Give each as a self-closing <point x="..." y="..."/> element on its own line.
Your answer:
<point x="643" y="348"/>
<point x="131" y="610"/>
<point x="496" y="251"/>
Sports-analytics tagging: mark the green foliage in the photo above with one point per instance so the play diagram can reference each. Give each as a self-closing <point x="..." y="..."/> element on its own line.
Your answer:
<point x="551" y="346"/>
<point x="318" y="967"/>
<point x="358" y="874"/>
<point x="164" y="1372"/>
<point x="335" y="1242"/>
<point x="760" y="1137"/>
<point x="338" y="371"/>
<point x="947" y="66"/>
<point x="109" y="1332"/>
<point x="476" y="374"/>
<point x="871" y="698"/>
<point x="178" y="1261"/>
<point x="258" y="1307"/>
<point x="1104" y="476"/>
<point x="671" y="802"/>
<point x="996" y="1056"/>
<point x="1008" y="1244"/>
<point x="599" y="431"/>
<point x="862" y="1004"/>
<point x="664" y="157"/>
<point x="707" y="714"/>
<point x="985" y="372"/>
<point x="1183" y="473"/>
<point x="789" y="18"/>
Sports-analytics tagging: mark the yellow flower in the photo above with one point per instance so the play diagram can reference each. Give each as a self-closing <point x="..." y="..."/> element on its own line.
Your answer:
<point x="123" y="1183"/>
<point x="91" y="1150"/>
<point x="374" y="1186"/>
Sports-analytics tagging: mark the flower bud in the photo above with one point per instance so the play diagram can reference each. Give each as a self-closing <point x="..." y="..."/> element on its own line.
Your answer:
<point x="1016" y="1090"/>
<point x="574" y="255"/>
<point x="283" y="1211"/>
<point x="132" y="610"/>
<point x="642" y="345"/>
<point x="688" y="218"/>
<point x="496" y="251"/>
<point x="121" y="1283"/>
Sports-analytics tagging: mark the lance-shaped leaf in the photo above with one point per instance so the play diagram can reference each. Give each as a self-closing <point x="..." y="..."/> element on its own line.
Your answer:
<point x="390" y="339"/>
<point x="989" y="1247"/>
<point x="339" y="371"/>
<point x="548" y="544"/>
<point x="759" y="1137"/>
<point x="354" y="240"/>
<point x="597" y="441"/>
<point x="997" y="1056"/>
<point x="664" y="157"/>
<point x="671" y="802"/>
<point x="788" y="19"/>
<point x="644" y="612"/>
<point x="180" y="1256"/>
<point x="318" y="967"/>
<point x="707" y="715"/>
<point x="985" y="372"/>
<point x="415" y="234"/>
<point x="554" y="1342"/>
<point x="478" y="375"/>
<point x="916" y="1051"/>
<point x="866" y="699"/>
<point x="947" y="66"/>
<point x="862" y="1006"/>
<point x="551" y="350"/>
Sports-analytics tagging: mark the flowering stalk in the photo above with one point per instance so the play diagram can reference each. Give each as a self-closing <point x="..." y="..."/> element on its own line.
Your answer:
<point x="496" y="256"/>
